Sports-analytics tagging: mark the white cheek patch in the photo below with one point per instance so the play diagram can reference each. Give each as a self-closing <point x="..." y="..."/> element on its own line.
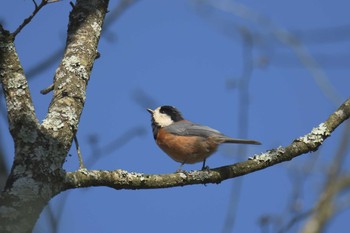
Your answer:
<point x="162" y="119"/>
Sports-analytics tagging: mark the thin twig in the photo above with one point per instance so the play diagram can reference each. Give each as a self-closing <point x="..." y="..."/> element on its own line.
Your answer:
<point x="72" y="4"/>
<point x="286" y="37"/>
<point x="47" y="90"/>
<point x="37" y="8"/>
<point x="243" y="109"/>
<point x="99" y="152"/>
<point x="113" y="15"/>
<point x="35" y="4"/>
<point x="81" y="163"/>
<point x="294" y="220"/>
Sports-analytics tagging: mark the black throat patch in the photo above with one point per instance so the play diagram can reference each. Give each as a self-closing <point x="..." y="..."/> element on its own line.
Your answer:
<point x="155" y="129"/>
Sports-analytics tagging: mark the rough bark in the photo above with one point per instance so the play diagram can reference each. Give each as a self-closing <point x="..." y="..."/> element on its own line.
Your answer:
<point x="40" y="149"/>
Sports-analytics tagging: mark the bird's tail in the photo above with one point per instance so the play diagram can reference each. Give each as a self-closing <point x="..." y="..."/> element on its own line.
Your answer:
<point x="240" y="141"/>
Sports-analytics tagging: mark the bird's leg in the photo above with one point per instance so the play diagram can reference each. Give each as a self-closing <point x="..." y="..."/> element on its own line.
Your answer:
<point x="179" y="170"/>
<point x="205" y="168"/>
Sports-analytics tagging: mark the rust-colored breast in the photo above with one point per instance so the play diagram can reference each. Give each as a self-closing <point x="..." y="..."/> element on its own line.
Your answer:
<point x="185" y="149"/>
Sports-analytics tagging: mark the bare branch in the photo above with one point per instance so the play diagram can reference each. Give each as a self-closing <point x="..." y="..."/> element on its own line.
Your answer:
<point x="113" y="15"/>
<point x="47" y="90"/>
<point x="20" y="108"/>
<point x="284" y="36"/>
<point x="325" y="207"/>
<point x="297" y="218"/>
<point x="73" y="73"/>
<point x="342" y="151"/>
<point x="120" y="179"/>
<point x="243" y="124"/>
<point x="81" y="163"/>
<point x="37" y="8"/>
<point x="100" y="151"/>
<point x="37" y="171"/>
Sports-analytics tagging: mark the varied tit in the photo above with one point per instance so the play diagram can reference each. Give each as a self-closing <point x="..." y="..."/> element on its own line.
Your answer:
<point x="184" y="141"/>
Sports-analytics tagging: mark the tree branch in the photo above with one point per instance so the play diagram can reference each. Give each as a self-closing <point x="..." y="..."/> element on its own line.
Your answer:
<point x="120" y="179"/>
<point x="336" y="183"/>
<point x="73" y="73"/>
<point x="40" y="150"/>
<point x="284" y="36"/>
<point x="37" y="8"/>
<point x="20" y="108"/>
<point x="325" y="207"/>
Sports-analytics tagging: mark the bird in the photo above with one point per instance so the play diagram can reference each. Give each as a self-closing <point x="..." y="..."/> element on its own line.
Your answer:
<point x="184" y="141"/>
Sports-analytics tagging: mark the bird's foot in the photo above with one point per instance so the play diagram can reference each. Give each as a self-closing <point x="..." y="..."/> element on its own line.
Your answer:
<point x="181" y="171"/>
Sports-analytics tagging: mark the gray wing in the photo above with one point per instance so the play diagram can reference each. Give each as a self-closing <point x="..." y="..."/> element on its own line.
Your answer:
<point x="184" y="128"/>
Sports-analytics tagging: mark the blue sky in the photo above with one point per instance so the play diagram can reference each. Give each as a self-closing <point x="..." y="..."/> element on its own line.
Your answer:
<point x="189" y="55"/>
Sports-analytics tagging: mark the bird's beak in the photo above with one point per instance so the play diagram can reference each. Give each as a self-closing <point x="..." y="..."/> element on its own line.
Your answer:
<point x="150" y="110"/>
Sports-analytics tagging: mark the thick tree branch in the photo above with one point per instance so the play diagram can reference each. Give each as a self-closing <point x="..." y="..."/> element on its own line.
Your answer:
<point x="73" y="74"/>
<point x="120" y="179"/>
<point x="37" y="174"/>
<point x="20" y="195"/>
<point x="20" y="108"/>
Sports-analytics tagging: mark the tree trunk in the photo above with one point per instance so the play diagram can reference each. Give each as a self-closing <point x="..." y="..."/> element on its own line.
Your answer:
<point x="40" y="149"/>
